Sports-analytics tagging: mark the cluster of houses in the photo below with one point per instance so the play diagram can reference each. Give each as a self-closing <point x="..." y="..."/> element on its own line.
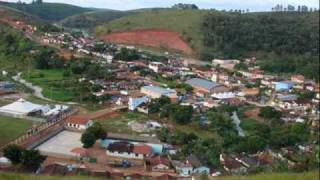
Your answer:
<point x="211" y="88"/>
<point x="219" y="83"/>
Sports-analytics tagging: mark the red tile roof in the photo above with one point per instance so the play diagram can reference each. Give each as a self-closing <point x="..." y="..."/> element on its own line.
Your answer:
<point x="158" y="159"/>
<point x="142" y="149"/>
<point x="78" y="120"/>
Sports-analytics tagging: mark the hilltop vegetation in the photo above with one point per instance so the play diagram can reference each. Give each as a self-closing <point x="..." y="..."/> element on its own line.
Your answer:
<point x="92" y="19"/>
<point x="14" y="14"/>
<point x="48" y="11"/>
<point x="286" y="42"/>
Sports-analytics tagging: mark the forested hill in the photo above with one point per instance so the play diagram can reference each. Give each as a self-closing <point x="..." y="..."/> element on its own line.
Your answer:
<point x="48" y="11"/>
<point x="286" y="42"/>
<point x="234" y="34"/>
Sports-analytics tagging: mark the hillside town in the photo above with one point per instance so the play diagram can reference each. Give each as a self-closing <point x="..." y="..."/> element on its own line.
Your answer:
<point x="141" y="83"/>
<point x="138" y="114"/>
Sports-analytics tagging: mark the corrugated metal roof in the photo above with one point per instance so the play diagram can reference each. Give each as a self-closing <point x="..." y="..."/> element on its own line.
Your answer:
<point x="203" y="83"/>
<point x="159" y="90"/>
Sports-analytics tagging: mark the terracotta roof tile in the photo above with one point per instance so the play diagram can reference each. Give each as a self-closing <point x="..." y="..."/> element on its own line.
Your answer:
<point x="78" y="120"/>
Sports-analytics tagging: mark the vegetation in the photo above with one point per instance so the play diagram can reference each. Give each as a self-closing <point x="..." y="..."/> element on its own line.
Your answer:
<point x="284" y="41"/>
<point x="89" y="20"/>
<point x="178" y="113"/>
<point x="14" y="153"/>
<point x="29" y="159"/>
<point x="13" y="128"/>
<point x="270" y="113"/>
<point x="92" y="134"/>
<point x="118" y="123"/>
<point x="48" y="11"/>
<point x="214" y="34"/>
<point x="32" y="159"/>
<point x="88" y="139"/>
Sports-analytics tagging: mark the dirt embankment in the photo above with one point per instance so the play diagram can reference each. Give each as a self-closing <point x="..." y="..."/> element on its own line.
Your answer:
<point x="159" y="38"/>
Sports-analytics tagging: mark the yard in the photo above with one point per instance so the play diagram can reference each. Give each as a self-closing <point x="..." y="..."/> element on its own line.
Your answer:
<point x="12" y="128"/>
<point x="119" y="123"/>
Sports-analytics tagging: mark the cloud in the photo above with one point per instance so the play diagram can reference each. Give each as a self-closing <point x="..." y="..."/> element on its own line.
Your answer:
<point x="257" y="5"/>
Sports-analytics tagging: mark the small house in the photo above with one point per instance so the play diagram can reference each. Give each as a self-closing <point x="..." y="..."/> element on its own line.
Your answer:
<point x="197" y="165"/>
<point x="78" y="123"/>
<point x="183" y="169"/>
<point x="158" y="163"/>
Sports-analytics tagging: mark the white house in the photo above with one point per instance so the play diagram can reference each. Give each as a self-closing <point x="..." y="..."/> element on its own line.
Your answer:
<point x="78" y="123"/>
<point x="155" y="66"/>
<point x="128" y="150"/>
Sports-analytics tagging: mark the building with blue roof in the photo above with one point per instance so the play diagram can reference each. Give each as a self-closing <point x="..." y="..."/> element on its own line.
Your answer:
<point x="284" y="85"/>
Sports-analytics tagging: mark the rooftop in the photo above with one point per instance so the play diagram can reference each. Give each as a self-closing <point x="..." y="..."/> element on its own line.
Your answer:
<point x="78" y="120"/>
<point x="203" y="83"/>
<point x="142" y="149"/>
<point x="159" y="90"/>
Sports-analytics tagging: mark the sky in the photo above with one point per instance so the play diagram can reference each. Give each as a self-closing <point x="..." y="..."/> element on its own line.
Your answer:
<point x="252" y="5"/>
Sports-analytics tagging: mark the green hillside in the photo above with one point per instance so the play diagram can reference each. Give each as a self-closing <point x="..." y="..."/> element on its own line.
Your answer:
<point x="89" y="20"/>
<point x="48" y="11"/>
<point x="284" y="42"/>
<point x="7" y="12"/>
<point x="188" y="23"/>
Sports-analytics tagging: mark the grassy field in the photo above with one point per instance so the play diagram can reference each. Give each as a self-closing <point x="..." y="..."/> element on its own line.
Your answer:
<point x="54" y="85"/>
<point x="280" y="176"/>
<point x="188" y="23"/>
<point x="119" y="124"/>
<point x="12" y="128"/>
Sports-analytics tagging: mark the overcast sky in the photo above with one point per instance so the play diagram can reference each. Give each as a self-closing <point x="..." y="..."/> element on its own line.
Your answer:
<point x="253" y="5"/>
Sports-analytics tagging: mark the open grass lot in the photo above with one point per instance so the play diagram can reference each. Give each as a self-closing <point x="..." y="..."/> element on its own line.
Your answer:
<point x="276" y="176"/>
<point x="8" y="176"/>
<point x="55" y="85"/>
<point x="119" y="123"/>
<point x="12" y="128"/>
<point x="195" y="128"/>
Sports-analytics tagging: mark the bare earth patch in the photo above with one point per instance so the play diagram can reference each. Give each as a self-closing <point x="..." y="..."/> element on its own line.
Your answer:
<point x="152" y="38"/>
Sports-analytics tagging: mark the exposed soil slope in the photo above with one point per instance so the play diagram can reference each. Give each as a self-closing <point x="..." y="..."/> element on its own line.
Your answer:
<point x="150" y="37"/>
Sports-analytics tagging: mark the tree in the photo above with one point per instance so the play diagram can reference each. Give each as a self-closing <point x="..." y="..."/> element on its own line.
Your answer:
<point x="270" y="113"/>
<point x="88" y="139"/>
<point x="163" y="134"/>
<point x="181" y="114"/>
<point x="97" y="130"/>
<point x="32" y="159"/>
<point x="14" y="153"/>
